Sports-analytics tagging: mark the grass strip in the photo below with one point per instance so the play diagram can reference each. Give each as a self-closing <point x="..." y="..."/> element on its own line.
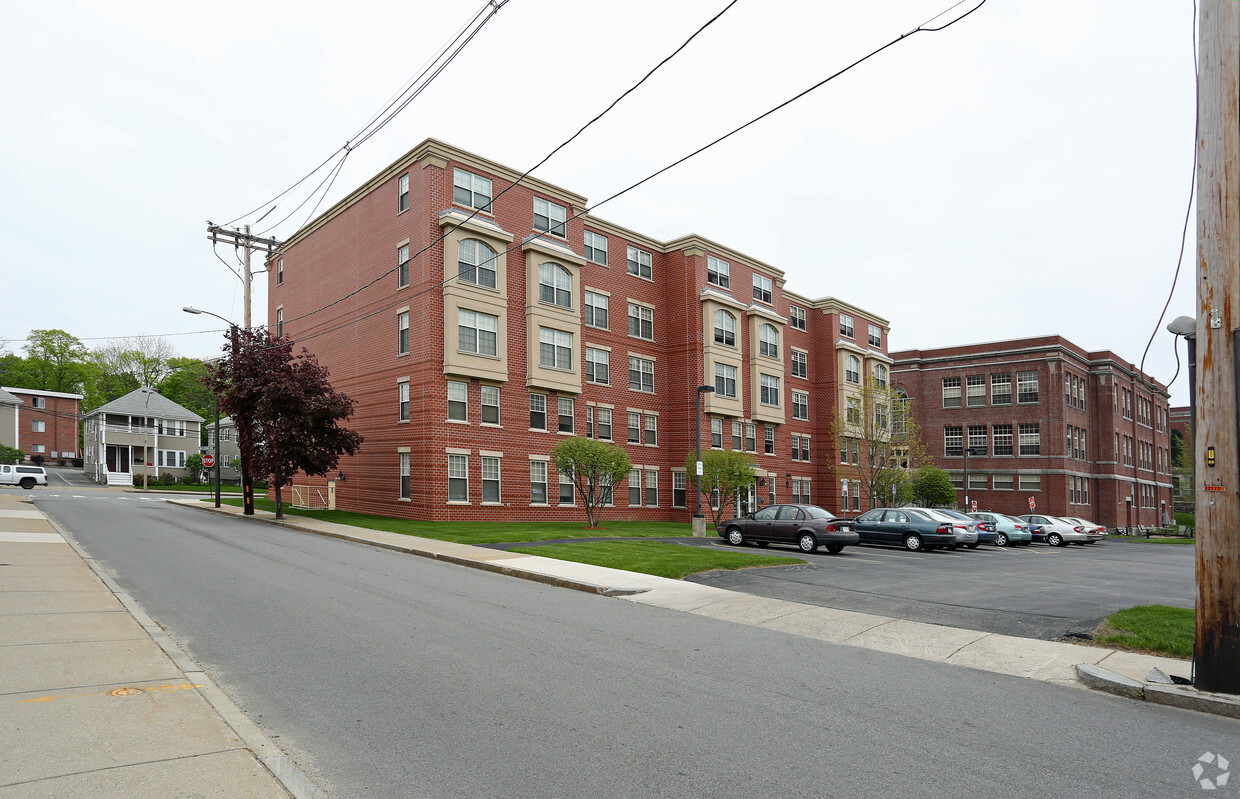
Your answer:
<point x="486" y="532"/>
<point x="224" y="489"/>
<point x="655" y="557"/>
<point x="1144" y="540"/>
<point x="1151" y="628"/>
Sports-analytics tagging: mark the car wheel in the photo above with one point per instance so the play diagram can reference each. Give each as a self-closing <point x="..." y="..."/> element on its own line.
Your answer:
<point x="1001" y="540"/>
<point x="974" y="545"/>
<point x="912" y="542"/>
<point x="735" y="536"/>
<point x="27" y="483"/>
<point x="835" y="549"/>
<point x="807" y="542"/>
<point x="1055" y="540"/>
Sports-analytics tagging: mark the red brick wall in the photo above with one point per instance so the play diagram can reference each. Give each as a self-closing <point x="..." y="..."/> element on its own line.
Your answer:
<point x="60" y="418"/>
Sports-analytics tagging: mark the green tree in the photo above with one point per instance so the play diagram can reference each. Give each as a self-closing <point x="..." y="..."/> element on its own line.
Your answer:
<point x="726" y="472"/>
<point x="10" y="455"/>
<point x="186" y="384"/>
<point x="882" y="440"/>
<point x="595" y="468"/>
<point x="55" y="361"/>
<point x="932" y="486"/>
<point x="14" y="371"/>
<point x="193" y="466"/>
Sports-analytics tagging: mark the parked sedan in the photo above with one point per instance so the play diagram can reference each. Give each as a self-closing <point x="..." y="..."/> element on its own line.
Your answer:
<point x="964" y="528"/>
<point x="908" y="526"/>
<point x="1096" y="532"/>
<point x="1058" y="532"/>
<point x="807" y="526"/>
<point x="1008" y="529"/>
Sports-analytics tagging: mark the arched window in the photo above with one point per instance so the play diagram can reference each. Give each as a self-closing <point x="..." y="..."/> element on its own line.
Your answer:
<point x="880" y="375"/>
<point x="725" y="328"/>
<point x="475" y="263"/>
<point x="768" y="341"/>
<point x="852" y="370"/>
<point x="555" y="285"/>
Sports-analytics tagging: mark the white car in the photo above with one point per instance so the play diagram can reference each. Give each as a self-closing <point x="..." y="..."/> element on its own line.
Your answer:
<point x="1096" y="532"/>
<point x="1058" y="532"/>
<point x="25" y="476"/>
<point x="964" y="527"/>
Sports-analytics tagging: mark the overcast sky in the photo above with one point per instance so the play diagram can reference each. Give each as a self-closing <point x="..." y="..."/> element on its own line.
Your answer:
<point x="1024" y="172"/>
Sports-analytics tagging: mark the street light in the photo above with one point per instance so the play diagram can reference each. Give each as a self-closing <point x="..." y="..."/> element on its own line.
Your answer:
<point x="247" y="487"/>
<point x="146" y="440"/>
<point x="697" y="442"/>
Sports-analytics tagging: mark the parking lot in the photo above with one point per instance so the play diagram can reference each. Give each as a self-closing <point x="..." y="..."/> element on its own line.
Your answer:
<point x="1035" y="591"/>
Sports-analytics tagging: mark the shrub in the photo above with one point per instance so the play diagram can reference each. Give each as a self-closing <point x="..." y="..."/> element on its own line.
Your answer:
<point x="10" y="455"/>
<point x="37" y="459"/>
<point x="60" y="462"/>
<point x="77" y="463"/>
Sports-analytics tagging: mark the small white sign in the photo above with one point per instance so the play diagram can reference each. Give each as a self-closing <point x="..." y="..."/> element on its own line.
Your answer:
<point x="699" y="468"/>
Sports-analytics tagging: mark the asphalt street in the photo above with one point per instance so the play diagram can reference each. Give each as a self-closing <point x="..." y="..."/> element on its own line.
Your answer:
<point x="386" y="675"/>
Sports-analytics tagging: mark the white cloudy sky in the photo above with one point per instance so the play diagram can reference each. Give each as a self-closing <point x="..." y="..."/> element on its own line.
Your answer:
<point x="1024" y="172"/>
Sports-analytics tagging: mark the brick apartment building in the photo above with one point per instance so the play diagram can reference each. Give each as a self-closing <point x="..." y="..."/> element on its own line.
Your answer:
<point x="47" y="422"/>
<point x="1083" y="433"/>
<point x="471" y="357"/>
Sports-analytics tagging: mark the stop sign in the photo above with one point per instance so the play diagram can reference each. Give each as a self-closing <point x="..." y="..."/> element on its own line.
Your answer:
<point x="1032" y="504"/>
<point x="208" y="460"/>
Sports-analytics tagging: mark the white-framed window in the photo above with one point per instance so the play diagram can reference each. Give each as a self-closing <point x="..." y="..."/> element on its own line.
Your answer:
<point x="805" y="448"/>
<point x="555" y="285"/>
<point x="567" y="491"/>
<point x="604" y="424"/>
<point x="1004" y="482"/>
<point x="538" y="482"/>
<point x="641" y="374"/>
<point x="490" y="404"/>
<point x="402" y="194"/>
<point x="471" y="191"/>
<point x="172" y="459"/>
<point x="876" y="336"/>
<point x="38" y="402"/>
<point x="641" y="321"/>
<point x="725" y="328"/>
<point x="852" y="410"/>
<point x="38" y="426"/>
<point x="1027" y="388"/>
<point x="800" y="405"/>
<point x="596" y="248"/>
<point x="404" y="475"/>
<point x="768" y="341"/>
<point x="458" y="401"/>
<point x="718" y="271"/>
<point x="652" y="431"/>
<point x="598" y="366"/>
<point x="490" y="480"/>
<point x="39" y="448"/>
<point x="953" y="441"/>
<point x="800" y="364"/>
<point x="475" y="263"/>
<point x="1000" y="389"/>
<point x="280" y="322"/>
<point x="538" y="411"/>
<point x="977" y="439"/>
<point x="680" y="485"/>
<point x="716" y="433"/>
<point x="762" y="288"/>
<point x="1030" y="439"/>
<point x="768" y="439"/>
<point x="951" y="392"/>
<point x="652" y="488"/>
<point x="751" y="437"/>
<point x="565" y="406"/>
<point x="635" y="428"/>
<point x="1001" y="439"/>
<point x="458" y="478"/>
<point x="1030" y="482"/>
<point x="979" y="481"/>
<point x="549" y="217"/>
<point x="796" y="446"/>
<point x="402" y="333"/>
<point x="635" y="488"/>
<point x="975" y="391"/>
<point x="852" y="370"/>
<point x="846" y="325"/>
<point x="589" y="421"/>
<point x="796" y="317"/>
<point x="880" y="417"/>
<point x="640" y="263"/>
<point x="279" y="271"/>
<point x="596" y="310"/>
<point x="476" y="332"/>
<point x="402" y="266"/>
<point x="555" y="348"/>
<point x="738" y="436"/>
<point x="725" y="380"/>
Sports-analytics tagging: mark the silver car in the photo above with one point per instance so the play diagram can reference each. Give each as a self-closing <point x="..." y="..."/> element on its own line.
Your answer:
<point x="1096" y="532"/>
<point x="964" y="527"/>
<point x="1058" y="532"/>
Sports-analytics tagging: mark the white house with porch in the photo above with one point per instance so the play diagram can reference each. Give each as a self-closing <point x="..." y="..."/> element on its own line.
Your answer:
<point x="142" y="431"/>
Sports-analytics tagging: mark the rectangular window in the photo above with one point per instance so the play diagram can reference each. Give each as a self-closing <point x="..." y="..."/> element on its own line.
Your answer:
<point x="477" y="332"/>
<point x="796" y="447"/>
<point x="977" y="439"/>
<point x="549" y="217"/>
<point x="751" y="437"/>
<point x="589" y="421"/>
<point x="725" y="380"/>
<point x="981" y="481"/>
<point x="679" y="489"/>
<point x="490" y="481"/>
<point x="538" y="411"/>
<point x="566" y="414"/>
<point x="404" y="475"/>
<point x="402" y="194"/>
<point x="800" y="405"/>
<point x="852" y="412"/>
<point x="1004" y="482"/>
<point x="279" y="322"/>
<point x="598" y="366"/>
<point x="1084" y="454"/>
<point x="769" y="391"/>
<point x="876" y="336"/>
<point x="768" y="439"/>
<point x="402" y="266"/>
<point x="490" y="404"/>
<point x="1001" y="437"/>
<point x="953" y="441"/>
<point x="1031" y="482"/>
<point x="635" y="487"/>
<point x="738" y="436"/>
<point x="457" y="401"/>
<point x="596" y="310"/>
<point x="38" y="426"/>
<point x="538" y="482"/>
<point x="880" y="417"/>
<point x="652" y="431"/>
<point x="796" y="317"/>
<point x="555" y="348"/>
<point x="567" y="490"/>
<point x="762" y="287"/>
<point x="951" y="392"/>
<point x="800" y="364"/>
<point x="604" y="424"/>
<point x="716" y="433"/>
<point x="641" y="321"/>
<point x="1030" y="440"/>
<point x="458" y="478"/>
<point x="635" y="428"/>
<point x="846" y="325"/>
<point x="402" y="333"/>
<point x="639" y="263"/>
<point x="975" y="390"/>
<point x="471" y="191"/>
<point x="1000" y="389"/>
<point x="718" y="272"/>
<point x="1026" y="387"/>
<point x="596" y="248"/>
<point x="1084" y="491"/>
<point x="652" y="488"/>
<point x="641" y="375"/>
<point x="804" y="448"/>
<point x="38" y="402"/>
<point x="279" y="271"/>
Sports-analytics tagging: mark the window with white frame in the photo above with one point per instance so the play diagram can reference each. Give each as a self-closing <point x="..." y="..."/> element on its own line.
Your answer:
<point x="762" y="287"/>
<point x="598" y="366"/>
<point x="1000" y="389"/>
<point x="38" y="426"/>
<point x="876" y="336"/>
<point x="680" y="485"/>
<point x="1004" y="482"/>
<point x="951" y="392"/>
<point x="1026" y="387"/>
<point x="768" y="439"/>
<point x="880" y="417"/>
<point x="38" y="402"/>
<point x="458" y="478"/>
<point x="490" y="404"/>
<point x="565" y="405"/>
<point x="555" y="348"/>
<point x="402" y="266"/>
<point x="475" y="263"/>
<point x="596" y="310"/>
<point x="751" y="437"/>
<point x="404" y="475"/>
<point x="641" y="321"/>
<point x="641" y="374"/>
<point x="402" y="333"/>
<point x="471" y="191"/>
<point x="555" y="285"/>
<point x="1030" y="439"/>
<point x="805" y="448"/>
<point x="977" y="439"/>
<point x="279" y="271"/>
<point x="1030" y="482"/>
<point x="800" y="364"/>
<point x="635" y="487"/>
<point x="596" y="248"/>
<point x="852" y="370"/>
<point x="280" y="322"/>
<point x="172" y="459"/>
<point x="634" y="428"/>
<point x="846" y="325"/>
<point x="538" y="411"/>
<point x="975" y="390"/>
<point x="652" y="430"/>
<point x="716" y="433"/>
<point x="718" y="271"/>
<point x="800" y="405"/>
<point x="796" y="317"/>
<point x="738" y="436"/>
<point x="640" y="263"/>
<point x="796" y="446"/>
<point x="589" y="421"/>
<point x="953" y="441"/>
<point x="652" y="488"/>
<point x="1001" y="438"/>
<point x="852" y="410"/>
<point x="604" y="424"/>
<point x="567" y="491"/>
<point x="880" y="375"/>
<point x="476" y="332"/>
<point x="458" y="410"/>
<point x="768" y="341"/>
<point x="490" y="480"/>
<point x="538" y="482"/>
<point x="38" y="448"/>
<point x="402" y="194"/>
<point x="979" y="481"/>
<point x="549" y="217"/>
<point x="769" y="392"/>
<point x="725" y="328"/>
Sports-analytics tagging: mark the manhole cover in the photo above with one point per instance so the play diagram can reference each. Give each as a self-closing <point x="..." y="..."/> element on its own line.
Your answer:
<point x="125" y="691"/>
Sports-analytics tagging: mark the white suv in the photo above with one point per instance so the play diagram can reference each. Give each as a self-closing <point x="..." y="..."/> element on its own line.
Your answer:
<point x="25" y="476"/>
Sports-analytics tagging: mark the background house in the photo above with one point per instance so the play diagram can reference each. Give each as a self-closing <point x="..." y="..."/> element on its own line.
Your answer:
<point x="9" y="431"/>
<point x="142" y="432"/>
<point x="47" y="423"/>
<point x="230" y="451"/>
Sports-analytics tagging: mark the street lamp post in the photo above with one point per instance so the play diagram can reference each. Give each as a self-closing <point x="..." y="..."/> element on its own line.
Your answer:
<point x="146" y="440"/>
<point x="247" y="484"/>
<point x="699" y="522"/>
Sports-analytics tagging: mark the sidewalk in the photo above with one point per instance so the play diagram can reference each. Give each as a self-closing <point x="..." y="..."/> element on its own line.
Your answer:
<point x="95" y="699"/>
<point x="1122" y="673"/>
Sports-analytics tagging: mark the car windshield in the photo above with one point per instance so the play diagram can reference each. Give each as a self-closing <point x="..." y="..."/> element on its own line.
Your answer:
<point x="815" y="512"/>
<point x="920" y="513"/>
<point x="955" y="514"/>
<point x="1014" y="520"/>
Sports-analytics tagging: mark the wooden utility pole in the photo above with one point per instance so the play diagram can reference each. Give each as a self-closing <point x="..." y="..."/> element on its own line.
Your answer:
<point x="1218" y="319"/>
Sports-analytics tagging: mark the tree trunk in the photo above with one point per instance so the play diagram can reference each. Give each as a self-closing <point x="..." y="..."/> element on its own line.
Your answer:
<point x="279" y="501"/>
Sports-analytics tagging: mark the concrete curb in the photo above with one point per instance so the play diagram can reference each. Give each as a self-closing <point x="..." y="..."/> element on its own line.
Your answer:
<point x="1181" y="696"/>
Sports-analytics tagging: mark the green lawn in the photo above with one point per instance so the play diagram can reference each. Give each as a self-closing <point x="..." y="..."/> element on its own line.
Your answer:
<point x="224" y="489"/>
<point x="655" y="557"/>
<point x="487" y="532"/>
<point x="1151" y="628"/>
<point x="1143" y="540"/>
